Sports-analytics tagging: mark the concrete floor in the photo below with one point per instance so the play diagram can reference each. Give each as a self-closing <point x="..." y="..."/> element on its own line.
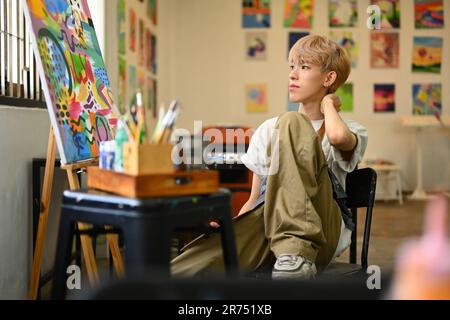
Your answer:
<point x="392" y="225"/>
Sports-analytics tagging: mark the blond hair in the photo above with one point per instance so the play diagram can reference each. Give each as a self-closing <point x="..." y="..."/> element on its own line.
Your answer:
<point x="327" y="54"/>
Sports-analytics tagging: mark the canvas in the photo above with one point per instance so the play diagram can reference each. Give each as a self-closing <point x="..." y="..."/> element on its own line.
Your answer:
<point x="427" y="99"/>
<point x="152" y="6"/>
<point x="343" y="13"/>
<point x="133" y="27"/>
<point x="151" y="96"/>
<point x="122" y="85"/>
<point x="74" y="78"/>
<point x="384" y="50"/>
<point x="256" y="98"/>
<point x="427" y="54"/>
<point x="345" y="92"/>
<point x="429" y="14"/>
<point x="122" y="26"/>
<point x="256" y="13"/>
<point x="256" y="46"/>
<point x="384" y="98"/>
<point x="390" y="13"/>
<point x="141" y="56"/>
<point x="298" y="13"/>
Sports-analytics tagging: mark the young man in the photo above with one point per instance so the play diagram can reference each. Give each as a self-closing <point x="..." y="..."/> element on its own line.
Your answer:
<point x="291" y="215"/>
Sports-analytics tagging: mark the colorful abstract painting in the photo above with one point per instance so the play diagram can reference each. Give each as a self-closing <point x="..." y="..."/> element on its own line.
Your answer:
<point x="256" y="13"/>
<point x="122" y="85"/>
<point x="345" y="92"/>
<point x="132" y="73"/>
<point x="343" y="13"/>
<point x="141" y="56"/>
<point x="427" y="54"/>
<point x="152" y="6"/>
<point x="384" y="98"/>
<point x="390" y="13"/>
<point x="256" y="46"/>
<point x="151" y="96"/>
<point x="148" y="50"/>
<point x="154" y="57"/>
<point x="427" y="99"/>
<point x="293" y="37"/>
<point x="429" y="14"/>
<point x="122" y="26"/>
<point x="256" y="98"/>
<point x="347" y="40"/>
<point x="384" y="50"/>
<point x="74" y="78"/>
<point x="133" y="23"/>
<point x="298" y="14"/>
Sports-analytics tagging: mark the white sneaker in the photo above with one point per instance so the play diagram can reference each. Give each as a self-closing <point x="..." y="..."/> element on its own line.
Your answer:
<point x="290" y="266"/>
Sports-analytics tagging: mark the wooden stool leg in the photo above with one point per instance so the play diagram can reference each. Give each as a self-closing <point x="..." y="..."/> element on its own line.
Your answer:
<point x="43" y="217"/>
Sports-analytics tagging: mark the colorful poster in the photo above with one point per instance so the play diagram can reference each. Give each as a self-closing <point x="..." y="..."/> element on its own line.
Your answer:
<point x="298" y="14"/>
<point x="148" y="50"/>
<point x="345" y="92"/>
<point x="256" y="46"/>
<point x="121" y="26"/>
<point x="293" y="38"/>
<point x="343" y="13"/>
<point x="256" y="13"/>
<point x="153" y="55"/>
<point x="132" y="30"/>
<point x="133" y="79"/>
<point x="152" y="6"/>
<point x="347" y="40"/>
<point x="429" y="14"/>
<point x="384" y="98"/>
<point x="427" y="54"/>
<point x="384" y="50"/>
<point x="256" y="98"/>
<point x="141" y="56"/>
<point x="74" y="78"/>
<point x="427" y="99"/>
<point x="390" y="13"/>
<point x="122" y="85"/>
<point x="151" y="96"/>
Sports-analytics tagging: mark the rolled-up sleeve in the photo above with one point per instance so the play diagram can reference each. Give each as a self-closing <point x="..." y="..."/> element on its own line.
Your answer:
<point x="358" y="153"/>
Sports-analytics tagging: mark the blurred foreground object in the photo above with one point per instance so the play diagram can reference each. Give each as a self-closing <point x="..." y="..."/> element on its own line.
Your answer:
<point x="423" y="265"/>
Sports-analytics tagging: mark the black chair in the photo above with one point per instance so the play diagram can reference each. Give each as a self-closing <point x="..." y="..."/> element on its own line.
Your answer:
<point x="360" y="188"/>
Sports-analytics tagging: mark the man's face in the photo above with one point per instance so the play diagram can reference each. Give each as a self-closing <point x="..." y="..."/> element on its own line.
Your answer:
<point x="306" y="82"/>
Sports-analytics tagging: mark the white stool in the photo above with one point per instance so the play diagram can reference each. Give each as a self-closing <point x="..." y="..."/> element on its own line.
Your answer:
<point x="386" y="174"/>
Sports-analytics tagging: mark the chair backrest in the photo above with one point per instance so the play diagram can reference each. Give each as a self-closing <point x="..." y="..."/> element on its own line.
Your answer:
<point x="360" y="188"/>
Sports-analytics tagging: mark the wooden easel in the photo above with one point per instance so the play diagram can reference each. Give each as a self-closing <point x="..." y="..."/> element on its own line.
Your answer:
<point x="86" y="241"/>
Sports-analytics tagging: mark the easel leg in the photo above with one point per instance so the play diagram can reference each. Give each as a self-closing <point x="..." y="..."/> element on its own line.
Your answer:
<point x="43" y="217"/>
<point x="87" y="242"/>
<point x="113" y="243"/>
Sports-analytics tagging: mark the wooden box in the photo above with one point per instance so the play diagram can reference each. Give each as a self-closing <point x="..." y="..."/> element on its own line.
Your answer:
<point x="154" y="185"/>
<point x="147" y="159"/>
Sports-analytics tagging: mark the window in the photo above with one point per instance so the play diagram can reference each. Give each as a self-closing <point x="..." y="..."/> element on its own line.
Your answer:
<point x="19" y="78"/>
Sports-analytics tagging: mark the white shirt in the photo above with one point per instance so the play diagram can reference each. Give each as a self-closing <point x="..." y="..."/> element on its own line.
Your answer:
<point x="257" y="160"/>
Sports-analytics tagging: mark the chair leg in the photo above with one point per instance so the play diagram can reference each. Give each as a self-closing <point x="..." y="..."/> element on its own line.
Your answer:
<point x="399" y="188"/>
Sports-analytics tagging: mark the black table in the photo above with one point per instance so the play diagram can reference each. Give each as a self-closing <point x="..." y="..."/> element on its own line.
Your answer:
<point x="147" y="226"/>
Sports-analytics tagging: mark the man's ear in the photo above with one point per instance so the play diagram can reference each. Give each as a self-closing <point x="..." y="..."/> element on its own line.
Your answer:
<point x="330" y="79"/>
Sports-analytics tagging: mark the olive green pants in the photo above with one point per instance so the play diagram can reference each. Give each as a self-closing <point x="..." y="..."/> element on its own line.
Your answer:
<point x="299" y="215"/>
